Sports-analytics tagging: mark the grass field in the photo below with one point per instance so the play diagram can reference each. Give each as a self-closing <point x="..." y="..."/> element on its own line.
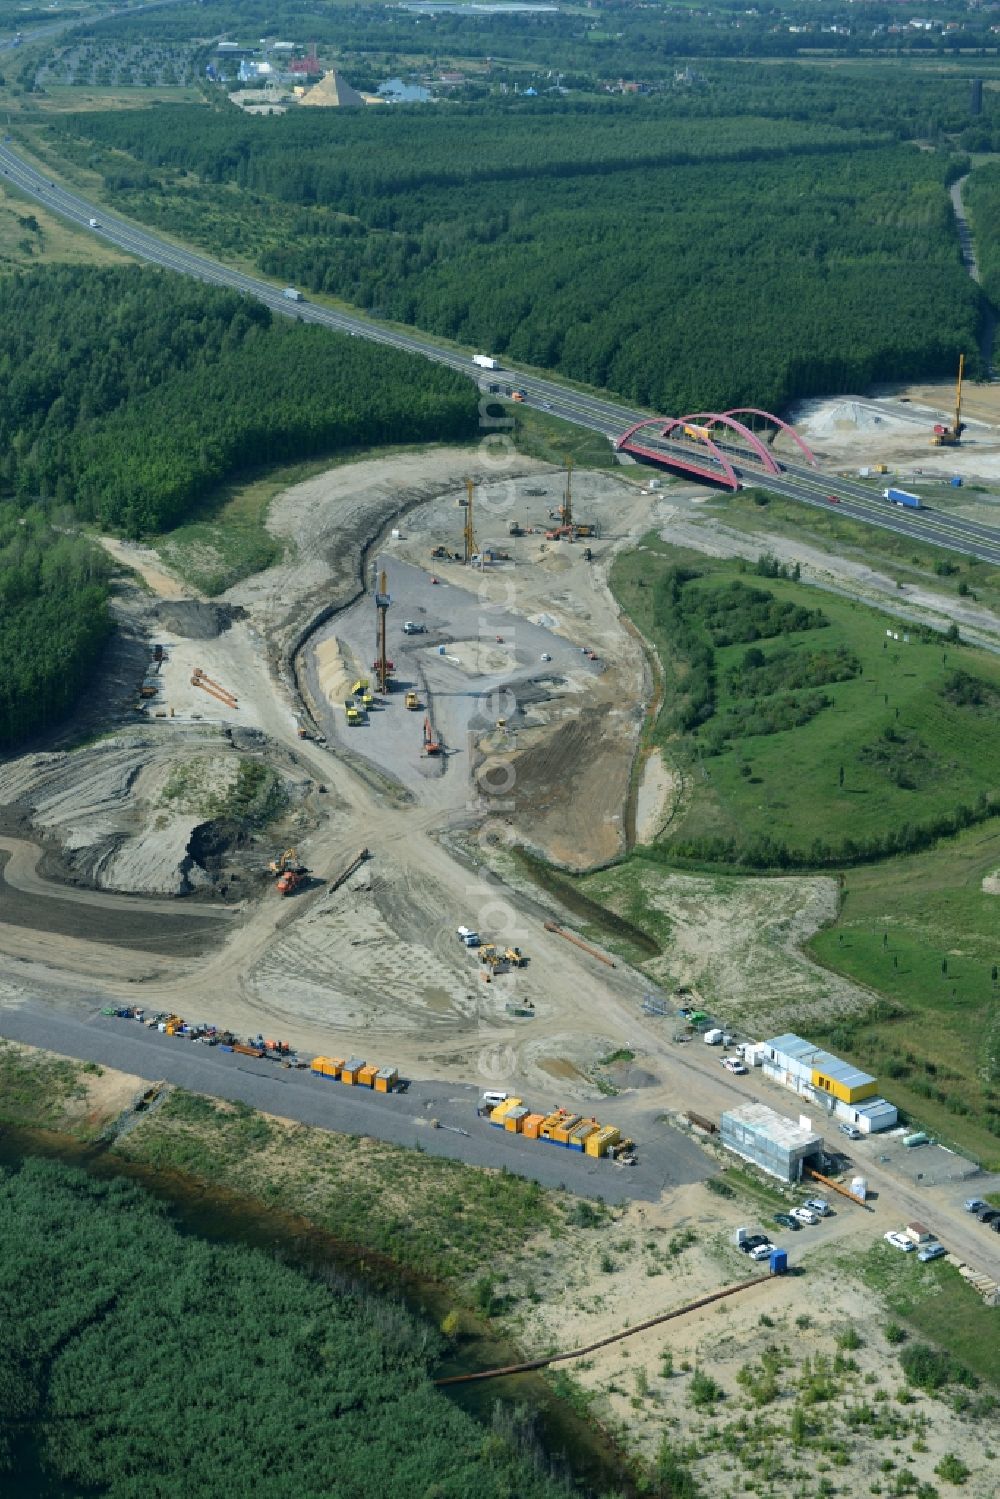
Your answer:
<point x="31" y="236"/>
<point x="923" y="933"/>
<point x="889" y="750"/>
<point x="899" y="557"/>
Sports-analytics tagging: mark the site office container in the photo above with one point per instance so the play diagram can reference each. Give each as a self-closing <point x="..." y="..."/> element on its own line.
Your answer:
<point x="601" y="1142"/>
<point x="386" y="1079"/>
<point x="551" y="1123"/>
<point x="501" y="1111"/>
<point x="514" y="1119"/>
<point x="531" y="1126"/>
<point x="327" y="1066"/>
<point x="350" y="1070"/>
<point x="582" y="1133"/>
<point x="565" y="1127"/>
<point x="367" y="1075"/>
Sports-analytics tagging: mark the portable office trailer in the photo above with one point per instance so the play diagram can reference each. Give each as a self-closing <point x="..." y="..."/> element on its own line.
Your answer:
<point x="532" y="1125"/>
<point x="582" y="1133"/>
<point x="327" y="1066"/>
<point x="777" y="1145"/>
<point x="501" y="1111"/>
<point x="514" y="1119"/>
<point x="386" y="1079"/>
<point x="367" y="1075"/>
<point x="551" y="1123"/>
<point x="564" y="1128"/>
<point x="350" y="1070"/>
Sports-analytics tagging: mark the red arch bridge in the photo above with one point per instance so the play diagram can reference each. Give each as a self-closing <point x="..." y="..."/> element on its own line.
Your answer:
<point x="719" y="445"/>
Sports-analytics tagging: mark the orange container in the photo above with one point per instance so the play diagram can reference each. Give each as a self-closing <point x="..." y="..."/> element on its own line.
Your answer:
<point x="531" y="1126"/>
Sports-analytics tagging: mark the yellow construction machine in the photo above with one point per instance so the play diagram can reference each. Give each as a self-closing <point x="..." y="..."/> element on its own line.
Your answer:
<point x="412" y="701"/>
<point x="950" y="437"/>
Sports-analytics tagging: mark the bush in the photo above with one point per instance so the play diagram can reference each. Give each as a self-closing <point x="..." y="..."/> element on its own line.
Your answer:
<point x="703" y="1391"/>
<point x="952" y="1469"/>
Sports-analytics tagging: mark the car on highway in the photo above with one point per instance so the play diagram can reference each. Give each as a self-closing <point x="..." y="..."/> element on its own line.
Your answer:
<point x="974" y="1204"/>
<point x="931" y="1252"/>
<point x="851" y="1131"/>
<point x="787" y="1221"/>
<point x="517" y="395"/>
<point x="735" y="1066"/>
<point x="805" y="1215"/>
<point x="833" y="499"/>
<point x="899" y="1241"/>
<point x="410" y="627"/>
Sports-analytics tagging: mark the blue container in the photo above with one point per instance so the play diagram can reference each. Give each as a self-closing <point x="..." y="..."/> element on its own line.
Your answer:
<point x="225" y="1048"/>
<point x="779" y="1261"/>
<point x="956" y="483"/>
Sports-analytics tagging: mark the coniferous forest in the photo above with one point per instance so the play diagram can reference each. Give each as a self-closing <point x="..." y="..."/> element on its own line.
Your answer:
<point x="140" y="1360"/>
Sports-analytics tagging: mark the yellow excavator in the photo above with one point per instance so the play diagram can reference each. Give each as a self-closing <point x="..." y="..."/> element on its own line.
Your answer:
<point x="950" y="437"/>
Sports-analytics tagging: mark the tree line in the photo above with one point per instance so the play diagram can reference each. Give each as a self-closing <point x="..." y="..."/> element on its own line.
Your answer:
<point x="129" y="394"/>
<point x="54" y="620"/>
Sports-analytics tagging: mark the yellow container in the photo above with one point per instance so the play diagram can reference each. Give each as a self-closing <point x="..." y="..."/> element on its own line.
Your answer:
<point x="514" y="1120"/>
<point x="386" y="1079"/>
<point x="367" y="1076"/>
<point x="582" y="1133"/>
<point x="350" y="1070"/>
<point x="601" y="1142"/>
<point x="564" y="1128"/>
<point x="551" y="1123"/>
<point x="501" y="1111"/>
<point x="532" y="1125"/>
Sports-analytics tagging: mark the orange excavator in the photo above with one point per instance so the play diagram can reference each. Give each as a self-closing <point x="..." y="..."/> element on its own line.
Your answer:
<point x="431" y="745"/>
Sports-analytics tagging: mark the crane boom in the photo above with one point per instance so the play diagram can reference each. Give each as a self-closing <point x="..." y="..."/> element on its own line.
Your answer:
<point x="469" y="535"/>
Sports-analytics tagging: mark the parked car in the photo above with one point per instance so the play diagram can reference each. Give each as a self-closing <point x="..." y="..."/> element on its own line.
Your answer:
<point x="851" y="1131"/>
<point x="805" y="1215"/>
<point x="974" y="1204"/>
<point x="735" y="1066"/>
<point x="987" y="1215"/>
<point x="818" y="1205"/>
<point x="787" y="1221"/>
<point x="931" y="1252"/>
<point x="411" y="628"/>
<point x="761" y="1252"/>
<point x="899" y="1241"/>
<point x="752" y="1242"/>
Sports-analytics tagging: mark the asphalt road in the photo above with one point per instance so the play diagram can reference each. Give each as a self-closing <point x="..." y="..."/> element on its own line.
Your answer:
<point x="591" y="412"/>
<point x="667" y="1158"/>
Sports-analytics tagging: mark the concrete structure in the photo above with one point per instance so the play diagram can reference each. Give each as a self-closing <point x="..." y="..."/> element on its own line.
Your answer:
<point x="777" y="1145"/>
<point x="333" y="92"/>
<point x="839" y="1088"/>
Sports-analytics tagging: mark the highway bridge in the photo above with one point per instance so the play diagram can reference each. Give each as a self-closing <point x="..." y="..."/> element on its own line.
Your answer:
<point x="730" y="461"/>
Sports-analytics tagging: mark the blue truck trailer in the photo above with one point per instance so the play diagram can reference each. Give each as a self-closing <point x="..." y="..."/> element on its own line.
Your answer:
<point x="902" y="497"/>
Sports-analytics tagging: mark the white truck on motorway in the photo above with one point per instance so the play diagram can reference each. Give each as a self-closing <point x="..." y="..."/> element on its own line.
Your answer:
<point x="290" y="294"/>
<point x="486" y="361"/>
<point x="93" y="224"/>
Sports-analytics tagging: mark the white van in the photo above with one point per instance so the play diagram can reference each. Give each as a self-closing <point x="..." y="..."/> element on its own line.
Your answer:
<point x="495" y="1098"/>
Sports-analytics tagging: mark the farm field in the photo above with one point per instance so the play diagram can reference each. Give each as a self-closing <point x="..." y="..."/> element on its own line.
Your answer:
<point x="818" y="734"/>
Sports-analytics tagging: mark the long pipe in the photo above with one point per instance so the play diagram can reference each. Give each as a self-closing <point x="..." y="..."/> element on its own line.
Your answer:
<point x="552" y="926"/>
<point x="615" y="1337"/>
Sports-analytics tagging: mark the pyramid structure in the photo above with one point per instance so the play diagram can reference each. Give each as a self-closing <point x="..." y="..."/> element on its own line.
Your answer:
<point x="333" y="92"/>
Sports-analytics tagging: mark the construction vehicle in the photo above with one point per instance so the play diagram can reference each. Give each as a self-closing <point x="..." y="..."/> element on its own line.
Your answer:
<point x="431" y="745"/>
<point x="468" y="533"/>
<point x="353" y="713"/>
<point x="290" y="881"/>
<point x="515" y="529"/>
<point x="588" y="555"/>
<point x="412" y="701"/>
<point x="367" y="701"/>
<point x="288" y="860"/>
<point x="951" y="437"/>
<point x="439" y="552"/>
<point x="381" y="665"/>
<point x="515" y="957"/>
<point x="360" y="686"/>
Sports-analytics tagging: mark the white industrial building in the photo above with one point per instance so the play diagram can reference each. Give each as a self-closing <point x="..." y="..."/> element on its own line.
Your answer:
<point x="840" y="1089"/>
<point x="777" y="1145"/>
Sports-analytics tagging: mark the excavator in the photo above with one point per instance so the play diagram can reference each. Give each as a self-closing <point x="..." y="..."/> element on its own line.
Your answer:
<point x="951" y="437"/>
<point x="288" y="860"/>
<point x="431" y="745"/>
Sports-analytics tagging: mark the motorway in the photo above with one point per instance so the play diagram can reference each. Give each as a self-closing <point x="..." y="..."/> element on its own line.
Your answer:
<point x="594" y="413"/>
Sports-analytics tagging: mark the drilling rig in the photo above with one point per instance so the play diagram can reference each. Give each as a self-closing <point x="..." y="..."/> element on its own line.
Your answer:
<point x="950" y="437"/>
<point x="469" y="535"/>
<point x="382" y="663"/>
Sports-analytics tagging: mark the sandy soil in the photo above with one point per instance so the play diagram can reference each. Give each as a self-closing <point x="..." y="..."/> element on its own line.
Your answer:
<point x="659" y="791"/>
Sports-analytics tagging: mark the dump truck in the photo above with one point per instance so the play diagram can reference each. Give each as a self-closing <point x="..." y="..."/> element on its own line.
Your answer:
<point x="353" y="713"/>
<point x="902" y="497"/>
<point x="412" y="701"/>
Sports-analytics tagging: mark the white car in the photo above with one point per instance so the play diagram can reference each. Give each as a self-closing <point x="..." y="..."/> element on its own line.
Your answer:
<point x="803" y="1215"/>
<point x="900" y="1241"/>
<point x="819" y="1206"/>
<point x="761" y="1252"/>
<point x="410" y="627"/>
<point x="735" y="1066"/>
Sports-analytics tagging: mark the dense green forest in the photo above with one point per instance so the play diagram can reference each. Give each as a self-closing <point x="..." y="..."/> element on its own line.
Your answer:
<point x="140" y="1360"/>
<point x="131" y="393"/>
<point x="981" y="196"/>
<point x="683" y="253"/>
<point x="53" y="620"/>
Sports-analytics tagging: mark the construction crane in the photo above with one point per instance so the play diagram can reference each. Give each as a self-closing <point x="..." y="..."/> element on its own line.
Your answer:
<point x="431" y="745"/>
<point x="382" y="602"/>
<point x="950" y="437"/>
<point x="469" y="535"/>
<point x="567" y="505"/>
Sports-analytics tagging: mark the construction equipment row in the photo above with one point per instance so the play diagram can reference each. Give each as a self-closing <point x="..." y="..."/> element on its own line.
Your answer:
<point x="210" y="1035"/>
<point x="561" y="1127"/>
<point x="355" y="1072"/>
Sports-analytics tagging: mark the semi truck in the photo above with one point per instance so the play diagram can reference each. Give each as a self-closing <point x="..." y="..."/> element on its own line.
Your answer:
<point x="486" y="361"/>
<point x="291" y="294"/>
<point x="902" y="497"/>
